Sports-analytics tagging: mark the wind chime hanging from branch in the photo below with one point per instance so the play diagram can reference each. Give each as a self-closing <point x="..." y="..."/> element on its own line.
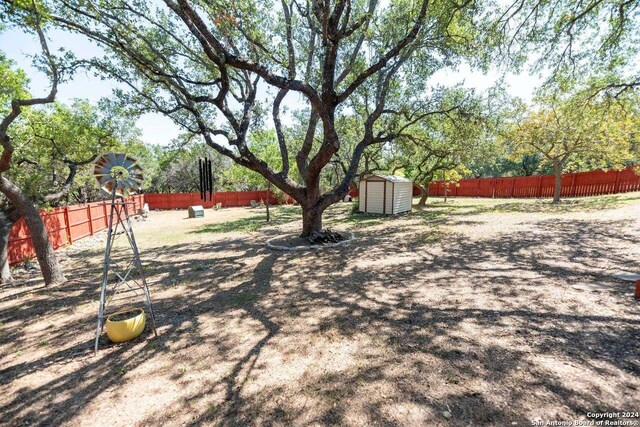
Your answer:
<point x="206" y="179"/>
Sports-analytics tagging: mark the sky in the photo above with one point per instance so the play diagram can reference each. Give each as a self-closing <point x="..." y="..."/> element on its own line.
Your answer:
<point x="160" y="130"/>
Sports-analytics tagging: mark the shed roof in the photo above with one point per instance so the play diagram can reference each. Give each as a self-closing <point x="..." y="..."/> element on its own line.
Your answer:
<point x="391" y="178"/>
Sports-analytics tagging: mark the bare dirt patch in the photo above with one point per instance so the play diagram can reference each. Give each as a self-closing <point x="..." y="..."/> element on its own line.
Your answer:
<point x="462" y="313"/>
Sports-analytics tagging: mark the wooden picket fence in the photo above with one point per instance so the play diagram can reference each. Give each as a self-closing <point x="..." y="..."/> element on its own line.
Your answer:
<point x="592" y="183"/>
<point x="65" y="225"/>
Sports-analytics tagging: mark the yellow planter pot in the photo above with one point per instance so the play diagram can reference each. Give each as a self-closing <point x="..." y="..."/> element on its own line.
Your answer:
<point x="125" y="330"/>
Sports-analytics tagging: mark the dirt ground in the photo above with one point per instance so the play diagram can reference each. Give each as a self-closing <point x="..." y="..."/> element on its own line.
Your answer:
<point x="463" y="314"/>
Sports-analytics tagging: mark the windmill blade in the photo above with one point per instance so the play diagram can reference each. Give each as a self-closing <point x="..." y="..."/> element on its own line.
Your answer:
<point x="111" y="159"/>
<point x="102" y="180"/>
<point x="128" y="163"/>
<point x="101" y="166"/>
<point x="120" y="159"/>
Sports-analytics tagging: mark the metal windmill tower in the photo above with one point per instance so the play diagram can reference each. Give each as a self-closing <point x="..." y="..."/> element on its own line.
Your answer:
<point x="119" y="174"/>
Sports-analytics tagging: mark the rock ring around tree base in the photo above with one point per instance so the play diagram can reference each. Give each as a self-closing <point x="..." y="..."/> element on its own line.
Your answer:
<point x="271" y="244"/>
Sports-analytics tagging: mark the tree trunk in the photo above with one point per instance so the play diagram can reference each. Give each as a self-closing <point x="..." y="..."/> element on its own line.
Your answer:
<point x="557" y="172"/>
<point x="424" y="194"/>
<point x="267" y="201"/>
<point x="49" y="266"/>
<point x="311" y="221"/>
<point x="7" y="219"/>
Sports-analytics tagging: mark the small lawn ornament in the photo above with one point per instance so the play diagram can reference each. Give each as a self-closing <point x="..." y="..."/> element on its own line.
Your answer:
<point x="196" y="212"/>
<point x="144" y="210"/>
<point x="119" y="175"/>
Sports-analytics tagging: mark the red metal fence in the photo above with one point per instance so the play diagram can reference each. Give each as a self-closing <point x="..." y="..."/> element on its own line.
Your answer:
<point x="226" y="198"/>
<point x="65" y="226"/>
<point x="71" y="223"/>
<point x="592" y="183"/>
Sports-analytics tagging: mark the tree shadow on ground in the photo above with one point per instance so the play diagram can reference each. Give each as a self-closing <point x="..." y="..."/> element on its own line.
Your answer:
<point x="392" y="330"/>
<point x="278" y="215"/>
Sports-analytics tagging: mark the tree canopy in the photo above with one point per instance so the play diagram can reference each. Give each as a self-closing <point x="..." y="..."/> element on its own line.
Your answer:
<point x="595" y="41"/>
<point x="578" y="130"/>
<point x="203" y="64"/>
<point x="55" y="146"/>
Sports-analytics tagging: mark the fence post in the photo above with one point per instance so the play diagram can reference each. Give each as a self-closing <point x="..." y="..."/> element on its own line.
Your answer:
<point x="539" y="195"/>
<point x="90" y="222"/>
<point x="513" y="187"/>
<point x="104" y="210"/>
<point x="573" y="186"/>
<point x="67" y="224"/>
<point x="616" y="188"/>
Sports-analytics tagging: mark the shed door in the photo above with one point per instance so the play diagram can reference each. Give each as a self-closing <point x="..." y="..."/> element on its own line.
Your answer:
<point x="375" y="196"/>
<point x="403" y="196"/>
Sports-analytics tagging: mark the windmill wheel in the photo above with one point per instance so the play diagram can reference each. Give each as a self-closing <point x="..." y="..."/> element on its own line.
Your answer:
<point x="118" y="171"/>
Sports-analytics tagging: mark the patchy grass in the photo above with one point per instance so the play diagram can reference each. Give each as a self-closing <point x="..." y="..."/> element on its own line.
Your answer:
<point x="241" y="299"/>
<point x="361" y="220"/>
<point x="242" y="225"/>
<point x="481" y="205"/>
<point x="278" y="215"/>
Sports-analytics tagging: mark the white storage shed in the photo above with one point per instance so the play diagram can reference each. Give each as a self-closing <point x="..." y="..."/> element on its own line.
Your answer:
<point x="385" y="194"/>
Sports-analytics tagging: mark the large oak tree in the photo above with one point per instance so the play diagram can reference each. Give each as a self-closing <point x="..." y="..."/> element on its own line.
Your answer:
<point x="207" y="65"/>
<point x="54" y="145"/>
<point x="14" y="99"/>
